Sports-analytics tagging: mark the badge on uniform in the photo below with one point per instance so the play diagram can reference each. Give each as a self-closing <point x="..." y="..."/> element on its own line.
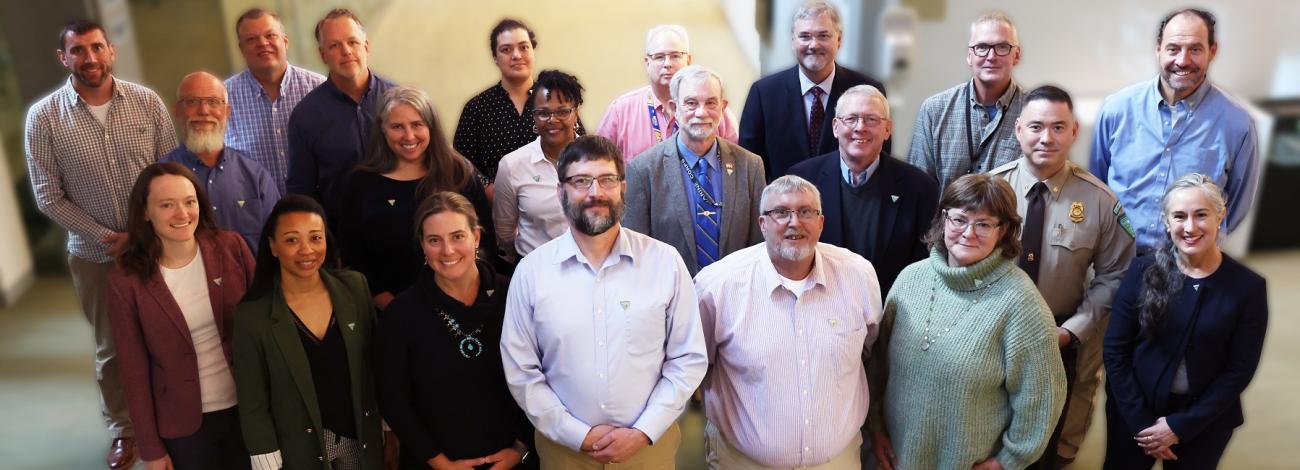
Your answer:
<point x="1076" y="212"/>
<point x="1123" y="218"/>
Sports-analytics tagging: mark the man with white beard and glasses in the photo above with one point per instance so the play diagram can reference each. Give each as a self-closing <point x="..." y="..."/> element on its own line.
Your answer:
<point x="601" y="342"/>
<point x="85" y="143"/>
<point x="785" y="326"/>
<point x="242" y="191"/>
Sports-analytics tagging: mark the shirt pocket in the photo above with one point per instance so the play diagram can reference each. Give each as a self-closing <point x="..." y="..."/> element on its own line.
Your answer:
<point x="1075" y="239"/>
<point x="645" y="329"/>
<point x="846" y="340"/>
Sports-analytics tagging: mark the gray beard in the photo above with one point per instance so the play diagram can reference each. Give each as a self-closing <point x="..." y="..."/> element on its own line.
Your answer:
<point x="591" y="225"/>
<point x="205" y="141"/>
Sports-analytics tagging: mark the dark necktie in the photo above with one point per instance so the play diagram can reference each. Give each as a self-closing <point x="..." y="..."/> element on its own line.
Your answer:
<point x="815" y="119"/>
<point x="707" y="218"/>
<point x="1032" y="236"/>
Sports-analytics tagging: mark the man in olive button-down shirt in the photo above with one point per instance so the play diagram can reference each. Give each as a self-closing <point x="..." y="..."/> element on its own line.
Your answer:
<point x="1084" y="231"/>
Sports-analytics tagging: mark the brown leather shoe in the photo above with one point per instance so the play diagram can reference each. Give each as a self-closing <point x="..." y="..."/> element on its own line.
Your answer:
<point x="121" y="453"/>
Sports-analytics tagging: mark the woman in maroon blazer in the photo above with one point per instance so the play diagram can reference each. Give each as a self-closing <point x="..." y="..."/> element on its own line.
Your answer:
<point x="171" y="301"/>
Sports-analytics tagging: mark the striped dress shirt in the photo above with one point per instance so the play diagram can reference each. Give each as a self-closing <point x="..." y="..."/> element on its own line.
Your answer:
<point x="82" y="170"/>
<point x="259" y="127"/>
<point x="786" y="384"/>
<point x="618" y="344"/>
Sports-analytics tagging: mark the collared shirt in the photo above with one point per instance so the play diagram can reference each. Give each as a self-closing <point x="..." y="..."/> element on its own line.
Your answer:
<point x="617" y="344"/>
<point x="526" y="207"/>
<point x="328" y="134"/>
<point x="627" y="123"/>
<point x="806" y="84"/>
<point x="241" y="192"/>
<point x="1083" y="230"/>
<point x="82" y="171"/>
<point x="259" y="127"/>
<point x="861" y="178"/>
<point x="786" y="384"/>
<point x="1139" y="149"/>
<point x="491" y="127"/>
<point x="955" y="136"/>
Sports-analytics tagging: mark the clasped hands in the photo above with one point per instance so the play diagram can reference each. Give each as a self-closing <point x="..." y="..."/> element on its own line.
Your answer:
<point x="1157" y="439"/>
<point x="610" y="445"/>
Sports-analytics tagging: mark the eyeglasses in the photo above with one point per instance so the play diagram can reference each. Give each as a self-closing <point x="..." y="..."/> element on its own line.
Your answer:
<point x="211" y="102"/>
<point x="819" y="37"/>
<point x="852" y="120"/>
<point x="711" y="104"/>
<point x="583" y="182"/>
<point x="782" y="214"/>
<point x="661" y="57"/>
<point x="546" y="114"/>
<point x="959" y="224"/>
<point x="1001" y="49"/>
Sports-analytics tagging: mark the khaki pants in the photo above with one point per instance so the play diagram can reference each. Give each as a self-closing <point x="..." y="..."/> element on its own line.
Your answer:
<point x="89" y="279"/>
<point x="661" y="455"/>
<point x="720" y="455"/>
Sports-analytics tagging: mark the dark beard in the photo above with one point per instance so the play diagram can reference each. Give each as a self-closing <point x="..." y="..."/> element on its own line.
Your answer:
<point x="592" y="225"/>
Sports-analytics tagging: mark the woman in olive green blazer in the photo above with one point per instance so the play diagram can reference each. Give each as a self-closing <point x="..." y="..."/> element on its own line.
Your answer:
<point x="293" y="330"/>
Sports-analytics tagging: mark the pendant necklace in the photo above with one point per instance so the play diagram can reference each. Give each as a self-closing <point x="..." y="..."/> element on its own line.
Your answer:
<point x="470" y="347"/>
<point x="928" y="339"/>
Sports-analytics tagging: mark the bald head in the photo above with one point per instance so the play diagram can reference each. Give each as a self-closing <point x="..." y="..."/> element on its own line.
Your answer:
<point x="201" y="108"/>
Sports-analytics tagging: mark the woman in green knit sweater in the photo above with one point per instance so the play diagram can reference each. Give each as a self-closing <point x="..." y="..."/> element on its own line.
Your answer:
<point x="966" y="373"/>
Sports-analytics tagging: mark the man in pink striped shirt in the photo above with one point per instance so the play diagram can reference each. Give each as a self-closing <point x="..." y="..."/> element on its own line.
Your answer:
<point x="785" y="326"/>
<point x="637" y="120"/>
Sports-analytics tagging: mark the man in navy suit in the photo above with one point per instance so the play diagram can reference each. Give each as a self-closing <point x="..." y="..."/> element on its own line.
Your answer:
<point x="875" y="205"/>
<point x="787" y="116"/>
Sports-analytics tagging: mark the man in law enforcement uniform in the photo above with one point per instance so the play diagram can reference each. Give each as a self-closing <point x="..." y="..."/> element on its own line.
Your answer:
<point x="1074" y="227"/>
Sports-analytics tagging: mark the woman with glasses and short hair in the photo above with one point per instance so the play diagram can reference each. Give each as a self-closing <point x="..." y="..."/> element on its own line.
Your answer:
<point x="525" y="206"/>
<point x="966" y="372"/>
<point x="409" y="158"/>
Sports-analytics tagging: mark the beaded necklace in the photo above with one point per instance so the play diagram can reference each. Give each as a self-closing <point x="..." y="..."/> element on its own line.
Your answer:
<point x="927" y="339"/>
<point x="470" y="347"/>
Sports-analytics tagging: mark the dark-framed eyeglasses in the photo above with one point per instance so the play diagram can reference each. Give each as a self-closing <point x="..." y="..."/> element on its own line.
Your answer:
<point x="194" y="102"/>
<point x="782" y="214"/>
<point x="546" y="114"/>
<point x="583" y="182"/>
<point x="1001" y="49"/>
<point x="959" y="223"/>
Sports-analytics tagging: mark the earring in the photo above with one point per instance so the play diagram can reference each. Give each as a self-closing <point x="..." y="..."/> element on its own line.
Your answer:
<point x="535" y="128"/>
<point x="577" y="129"/>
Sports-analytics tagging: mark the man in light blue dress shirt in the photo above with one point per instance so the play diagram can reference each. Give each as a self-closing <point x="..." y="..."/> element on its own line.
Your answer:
<point x="263" y="96"/>
<point x="1150" y="134"/>
<point x="602" y="344"/>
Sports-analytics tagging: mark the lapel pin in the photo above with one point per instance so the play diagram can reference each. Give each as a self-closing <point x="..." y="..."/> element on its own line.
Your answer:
<point x="893" y="197"/>
<point x="979" y="282"/>
<point x="490" y="291"/>
<point x="537" y="178"/>
<point x="392" y="202"/>
<point x="217" y="281"/>
<point x="832" y="322"/>
<point x="624" y="303"/>
<point x="240" y="202"/>
<point x="731" y="168"/>
<point x="352" y="326"/>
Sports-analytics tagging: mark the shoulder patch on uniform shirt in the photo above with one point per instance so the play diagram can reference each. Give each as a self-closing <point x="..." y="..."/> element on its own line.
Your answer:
<point x="1122" y="217"/>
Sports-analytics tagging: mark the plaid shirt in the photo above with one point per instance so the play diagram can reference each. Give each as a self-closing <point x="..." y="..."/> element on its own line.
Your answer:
<point x="941" y="138"/>
<point x="82" y="171"/>
<point x="259" y="127"/>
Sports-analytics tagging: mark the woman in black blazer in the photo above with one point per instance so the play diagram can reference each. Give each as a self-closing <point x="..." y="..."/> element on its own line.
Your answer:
<point x="1185" y="336"/>
<point x="440" y="383"/>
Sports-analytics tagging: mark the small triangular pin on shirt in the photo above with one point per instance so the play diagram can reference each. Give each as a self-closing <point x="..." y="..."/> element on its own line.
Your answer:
<point x="624" y="303"/>
<point x="490" y="291"/>
<point x="352" y="326"/>
<point x="979" y="282"/>
<point x="217" y="281"/>
<point x="1196" y="287"/>
<point x="537" y="178"/>
<point x="893" y="197"/>
<point x="240" y="202"/>
<point x="392" y="202"/>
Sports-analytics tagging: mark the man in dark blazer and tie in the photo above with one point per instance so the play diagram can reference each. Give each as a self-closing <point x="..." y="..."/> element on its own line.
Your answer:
<point x="787" y="116"/>
<point x="875" y="205"/>
<point x="695" y="191"/>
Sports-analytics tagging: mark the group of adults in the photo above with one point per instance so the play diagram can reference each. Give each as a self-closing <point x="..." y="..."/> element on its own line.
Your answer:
<point x="523" y="294"/>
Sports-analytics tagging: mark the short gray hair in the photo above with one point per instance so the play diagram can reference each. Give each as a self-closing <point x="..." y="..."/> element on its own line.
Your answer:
<point x="675" y="29"/>
<point x="789" y="184"/>
<point x="867" y="91"/>
<point x="997" y="16"/>
<point x="811" y="9"/>
<point x="693" y="72"/>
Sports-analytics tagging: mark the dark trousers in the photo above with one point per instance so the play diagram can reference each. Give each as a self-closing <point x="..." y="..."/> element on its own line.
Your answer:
<point x="217" y="445"/>
<point x="1123" y="453"/>
<point x="1050" y="459"/>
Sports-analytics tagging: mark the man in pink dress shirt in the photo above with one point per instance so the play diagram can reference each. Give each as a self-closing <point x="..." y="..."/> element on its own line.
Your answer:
<point x="629" y="121"/>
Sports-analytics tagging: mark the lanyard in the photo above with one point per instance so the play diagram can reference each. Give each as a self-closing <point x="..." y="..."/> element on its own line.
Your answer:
<point x="654" y="120"/>
<point x="971" y="137"/>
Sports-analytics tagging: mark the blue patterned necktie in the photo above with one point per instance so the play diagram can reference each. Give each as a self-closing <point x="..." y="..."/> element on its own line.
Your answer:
<point x="707" y="218"/>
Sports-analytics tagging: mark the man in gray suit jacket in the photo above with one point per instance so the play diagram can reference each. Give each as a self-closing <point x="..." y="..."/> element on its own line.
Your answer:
<point x="695" y="191"/>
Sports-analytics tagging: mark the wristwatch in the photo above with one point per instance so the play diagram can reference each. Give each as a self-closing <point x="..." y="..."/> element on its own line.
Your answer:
<point x="522" y="449"/>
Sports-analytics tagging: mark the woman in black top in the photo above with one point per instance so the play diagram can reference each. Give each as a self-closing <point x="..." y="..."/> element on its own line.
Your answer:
<point x="499" y="120"/>
<point x="408" y="158"/>
<point x="441" y="386"/>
